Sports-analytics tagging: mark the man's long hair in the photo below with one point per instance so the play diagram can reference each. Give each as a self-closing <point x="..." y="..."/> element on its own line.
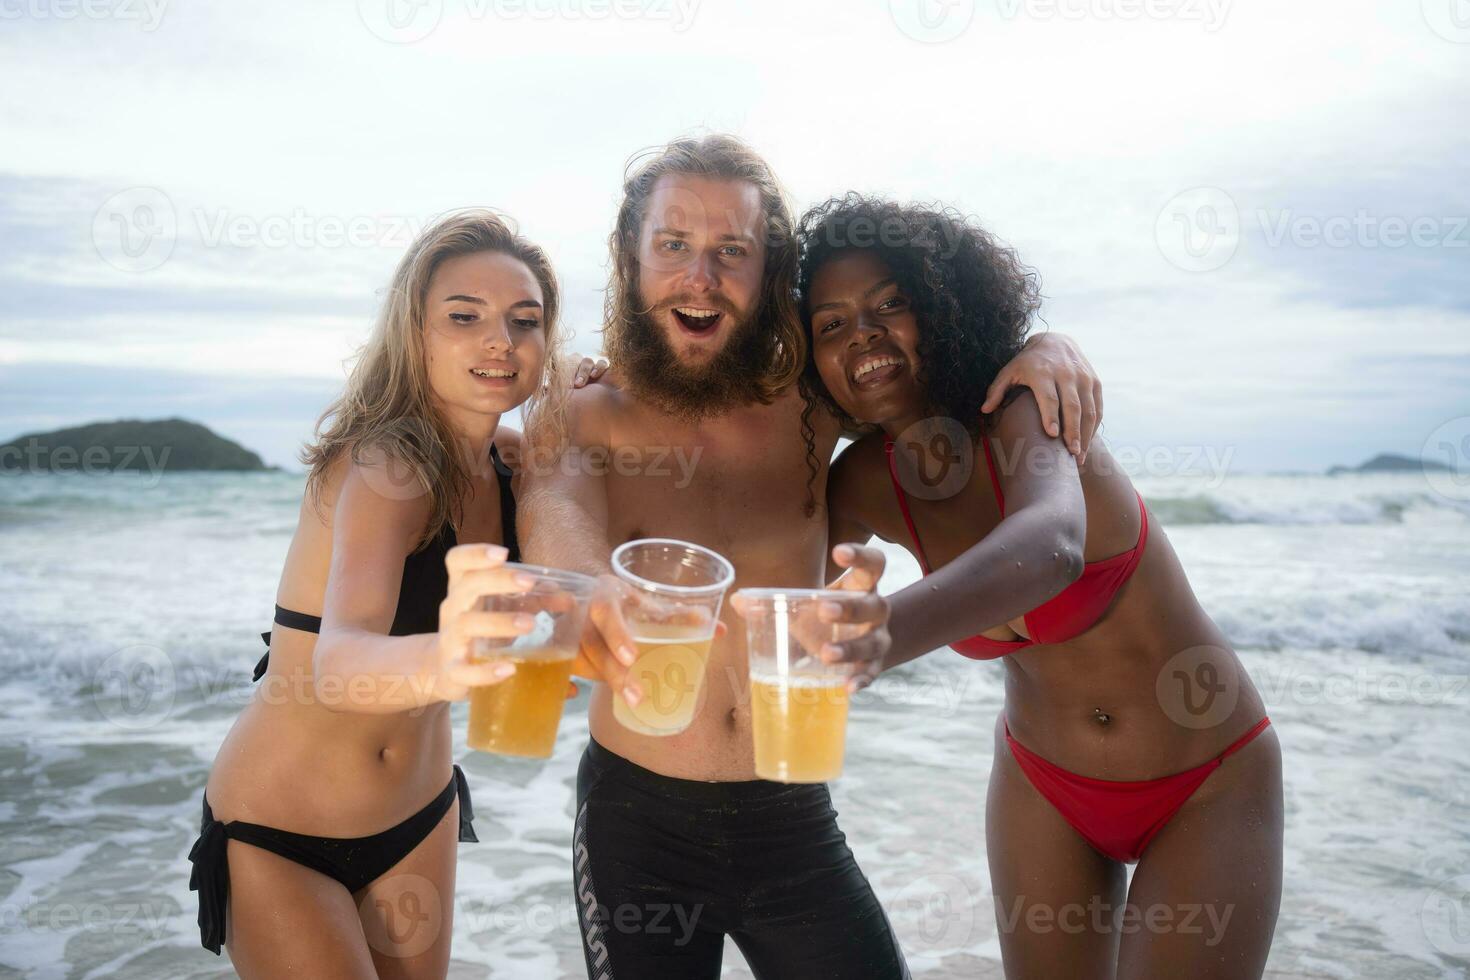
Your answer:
<point x="781" y="337"/>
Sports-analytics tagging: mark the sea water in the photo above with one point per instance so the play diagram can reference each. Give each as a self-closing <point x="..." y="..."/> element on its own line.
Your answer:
<point x="130" y="613"/>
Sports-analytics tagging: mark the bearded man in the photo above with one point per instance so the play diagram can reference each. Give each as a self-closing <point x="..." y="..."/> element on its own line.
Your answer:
<point x="676" y="843"/>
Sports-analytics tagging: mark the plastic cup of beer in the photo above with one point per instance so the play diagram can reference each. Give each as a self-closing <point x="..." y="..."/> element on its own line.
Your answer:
<point x="798" y="703"/>
<point x="519" y="716"/>
<point x="671" y="606"/>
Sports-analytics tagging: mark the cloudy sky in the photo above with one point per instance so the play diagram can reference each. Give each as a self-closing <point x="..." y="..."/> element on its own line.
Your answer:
<point x="1251" y="213"/>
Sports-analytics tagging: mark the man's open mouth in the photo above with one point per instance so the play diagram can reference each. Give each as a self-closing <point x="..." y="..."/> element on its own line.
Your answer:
<point x="697" y="319"/>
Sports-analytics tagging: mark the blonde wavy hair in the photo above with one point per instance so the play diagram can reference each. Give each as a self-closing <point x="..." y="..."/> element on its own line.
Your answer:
<point x="778" y="319"/>
<point x="387" y="409"/>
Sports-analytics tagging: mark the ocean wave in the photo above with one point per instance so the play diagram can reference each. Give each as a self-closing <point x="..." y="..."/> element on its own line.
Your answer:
<point x="83" y="499"/>
<point x="1227" y="507"/>
<point x="1397" y="628"/>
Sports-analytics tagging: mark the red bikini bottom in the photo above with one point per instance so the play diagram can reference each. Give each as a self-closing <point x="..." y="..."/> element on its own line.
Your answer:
<point x="1118" y="818"/>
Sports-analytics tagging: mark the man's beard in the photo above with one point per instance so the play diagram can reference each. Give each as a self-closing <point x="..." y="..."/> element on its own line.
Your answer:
<point x="651" y="369"/>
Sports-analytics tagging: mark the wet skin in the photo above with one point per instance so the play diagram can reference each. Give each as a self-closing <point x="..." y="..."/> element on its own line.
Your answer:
<point x="300" y="759"/>
<point x="744" y="496"/>
<point x="1091" y="705"/>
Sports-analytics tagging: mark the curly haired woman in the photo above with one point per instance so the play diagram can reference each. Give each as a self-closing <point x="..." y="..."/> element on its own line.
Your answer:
<point x="1130" y="732"/>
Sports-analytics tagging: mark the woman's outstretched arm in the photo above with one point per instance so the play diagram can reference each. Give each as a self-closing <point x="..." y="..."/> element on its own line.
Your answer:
<point x="357" y="666"/>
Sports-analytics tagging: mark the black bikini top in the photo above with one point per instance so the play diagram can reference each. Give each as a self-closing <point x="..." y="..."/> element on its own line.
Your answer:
<point x="425" y="579"/>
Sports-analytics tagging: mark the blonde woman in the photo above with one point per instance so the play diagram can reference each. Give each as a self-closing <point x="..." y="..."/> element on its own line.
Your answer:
<point x="327" y="846"/>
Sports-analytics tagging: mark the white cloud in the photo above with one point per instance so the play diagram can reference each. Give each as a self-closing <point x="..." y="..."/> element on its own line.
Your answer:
<point x="1067" y="134"/>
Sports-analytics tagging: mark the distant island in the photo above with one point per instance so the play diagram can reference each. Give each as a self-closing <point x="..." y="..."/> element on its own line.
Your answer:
<point x="1390" y="463"/>
<point x="127" y="445"/>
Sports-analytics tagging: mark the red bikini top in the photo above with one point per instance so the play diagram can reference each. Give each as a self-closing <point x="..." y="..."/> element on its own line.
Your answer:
<point x="1068" y="614"/>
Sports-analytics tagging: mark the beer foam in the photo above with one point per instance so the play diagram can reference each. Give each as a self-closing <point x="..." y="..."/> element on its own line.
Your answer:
<point x="798" y="680"/>
<point x="546" y="654"/>
<point x="668" y="641"/>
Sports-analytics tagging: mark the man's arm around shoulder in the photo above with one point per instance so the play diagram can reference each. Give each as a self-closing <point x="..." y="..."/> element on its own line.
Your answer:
<point x="562" y="512"/>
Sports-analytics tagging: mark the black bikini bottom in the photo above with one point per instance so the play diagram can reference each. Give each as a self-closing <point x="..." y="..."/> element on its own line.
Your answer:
<point x="354" y="862"/>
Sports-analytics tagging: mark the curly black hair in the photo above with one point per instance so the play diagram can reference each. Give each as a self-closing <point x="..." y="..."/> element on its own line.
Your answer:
<point x="974" y="299"/>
